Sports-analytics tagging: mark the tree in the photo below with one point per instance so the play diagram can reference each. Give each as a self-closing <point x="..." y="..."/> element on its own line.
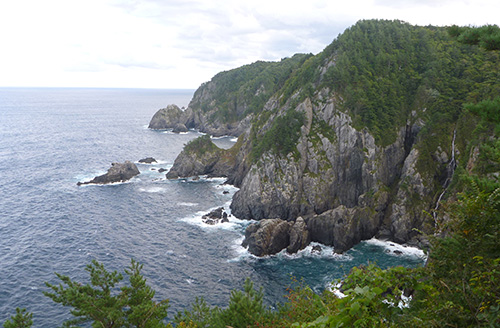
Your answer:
<point x="104" y="305"/>
<point x="487" y="37"/>
<point x="22" y="319"/>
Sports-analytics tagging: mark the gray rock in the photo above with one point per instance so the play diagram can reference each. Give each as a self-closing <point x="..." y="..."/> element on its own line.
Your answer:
<point x="299" y="236"/>
<point x="148" y="160"/>
<point x="267" y="237"/>
<point x="216" y="216"/>
<point x="343" y="227"/>
<point x="118" y="172"/>
<point x="316" y="249"/>
<point x="166" y="118"/>
<point x="179" y="127"/>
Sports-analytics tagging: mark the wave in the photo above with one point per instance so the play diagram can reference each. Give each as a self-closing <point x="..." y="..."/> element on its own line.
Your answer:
<point x="395" y="249"/>
<point x="234" y="223"/>
<point x="326" y="252"/>
<point x="187" y="204"/>
<point x="153" y="189"/>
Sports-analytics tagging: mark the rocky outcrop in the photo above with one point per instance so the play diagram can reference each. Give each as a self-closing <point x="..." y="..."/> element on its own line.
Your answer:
<point x="343" y="227"/>
<point x="179" y="128"/>
<point x="216" y="216"/>
<point x="271" y="236"/>
<point x="267" y="237"/>
<point x="166" y="118"/>
<point x="359" y="167"/>
<point x="119" y="172"/>
<point x="148" y="160"/>
<point x="202" y="157"/>
<point x="299" y="236"/>
<point x="179" y="121"/>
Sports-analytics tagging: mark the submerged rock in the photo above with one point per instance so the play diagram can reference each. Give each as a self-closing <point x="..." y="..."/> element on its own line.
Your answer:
<point x="119" y="172"/>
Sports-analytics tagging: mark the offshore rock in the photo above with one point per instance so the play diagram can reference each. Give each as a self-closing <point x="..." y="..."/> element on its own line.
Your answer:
<point x="119" y="172"/>
<point x="166" y="118"/>
<point x="148" y="160"/>
<point x="216" y="216"/>
<point x="267" y="237"/>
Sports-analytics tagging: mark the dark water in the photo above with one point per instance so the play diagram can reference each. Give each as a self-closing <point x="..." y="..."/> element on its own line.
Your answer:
<point x="52" y="138"/>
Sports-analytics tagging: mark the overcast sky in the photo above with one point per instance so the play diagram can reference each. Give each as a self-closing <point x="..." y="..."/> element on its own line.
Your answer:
<point x="183" y="43"/>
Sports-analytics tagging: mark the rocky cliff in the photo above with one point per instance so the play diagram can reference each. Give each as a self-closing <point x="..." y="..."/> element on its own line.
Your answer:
<point x="357" y="141"/>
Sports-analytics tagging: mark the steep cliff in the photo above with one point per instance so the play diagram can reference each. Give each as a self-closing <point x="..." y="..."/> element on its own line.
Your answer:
<point x="226" y="104"/>
<point x="359" y="139"/>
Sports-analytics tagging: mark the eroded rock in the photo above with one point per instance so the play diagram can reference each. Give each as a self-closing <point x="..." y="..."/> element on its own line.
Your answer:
<point x="267" y="237"/>
<point x="119" y="172"/>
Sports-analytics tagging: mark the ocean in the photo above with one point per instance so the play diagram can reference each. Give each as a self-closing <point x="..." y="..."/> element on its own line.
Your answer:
<point x="52" y="138"/>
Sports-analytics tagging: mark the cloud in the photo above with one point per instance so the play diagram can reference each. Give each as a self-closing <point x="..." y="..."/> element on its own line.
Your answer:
<point x="182" y="43"/>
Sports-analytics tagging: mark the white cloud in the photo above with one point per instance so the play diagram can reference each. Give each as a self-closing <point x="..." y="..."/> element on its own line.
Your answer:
<point x="182" y="43"/>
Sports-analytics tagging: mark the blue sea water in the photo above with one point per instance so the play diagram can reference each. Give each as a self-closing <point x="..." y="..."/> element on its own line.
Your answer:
<point x="51" y="138"/>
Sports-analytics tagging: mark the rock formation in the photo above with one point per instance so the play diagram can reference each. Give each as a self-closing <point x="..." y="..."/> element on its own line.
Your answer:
<point x="166" y="118"/>
<point x="216" y="216"/>
<point x="267" y="237"/>
<point x="332" y="152"/>
<point x="119" y="172"/>
<point x="148" y="160"/>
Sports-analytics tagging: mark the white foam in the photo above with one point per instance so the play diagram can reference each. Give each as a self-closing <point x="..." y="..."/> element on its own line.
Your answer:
<point x="152" y="189"/>
<point x="195" y="219"/>
<point x="335" y="289"/>
<point x="106" y="184"/>
<point x="403" y="250"/>
<point x="326" y="253"/>
<point x="234" y="140"/>
<point x="187" y="204"/>
<point x="221" y="137"/>
<point x="158" y="162"/>
<point x="170" y="131"/>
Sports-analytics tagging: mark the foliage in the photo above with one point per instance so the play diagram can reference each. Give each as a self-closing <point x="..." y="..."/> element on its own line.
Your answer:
<point x="236" y="93"/>
<point x="245" y="309"/>
<point x="281" y="138"/>
<point x="104" y="305"/>
<point x="201" y="145"/>
<point x="487" y="37"/>
<point x="22" y="319"/>
<point x="463" y="267"/>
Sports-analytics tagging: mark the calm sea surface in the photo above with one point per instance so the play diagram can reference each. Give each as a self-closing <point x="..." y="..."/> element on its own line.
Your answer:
<point x="52" y="138"/>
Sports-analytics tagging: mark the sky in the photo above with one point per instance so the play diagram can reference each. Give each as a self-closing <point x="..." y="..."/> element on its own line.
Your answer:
<point x="179" y="44"/>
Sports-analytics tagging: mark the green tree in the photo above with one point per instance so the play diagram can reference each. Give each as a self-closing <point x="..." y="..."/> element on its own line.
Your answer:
<point x="22" y="319"/>
<point x="487" y="37"/>
<point x="104" y="304"/>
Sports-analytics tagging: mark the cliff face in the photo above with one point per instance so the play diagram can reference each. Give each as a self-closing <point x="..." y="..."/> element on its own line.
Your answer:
<point x="341" y="182"/>
<point x="358" y="140"/>
<point x="227" y="104"/>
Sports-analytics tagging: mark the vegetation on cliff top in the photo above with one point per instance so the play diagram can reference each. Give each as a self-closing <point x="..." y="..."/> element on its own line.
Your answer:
<point x="244" y="90"/>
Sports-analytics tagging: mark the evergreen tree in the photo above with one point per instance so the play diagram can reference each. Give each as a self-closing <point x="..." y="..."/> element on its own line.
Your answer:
<point x="22" y="319"/>
<point x="104" y="305"/>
